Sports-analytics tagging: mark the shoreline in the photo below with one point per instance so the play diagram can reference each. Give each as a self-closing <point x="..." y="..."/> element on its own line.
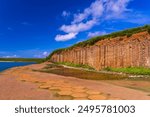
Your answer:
<point x="130" y="75"/>
<point x="30" y="85"/>
<point x="17" y="61"/>
<point x="3" y="70"/>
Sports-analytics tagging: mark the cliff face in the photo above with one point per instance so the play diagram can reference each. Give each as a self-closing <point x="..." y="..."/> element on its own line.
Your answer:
<point x="116" y="52"/>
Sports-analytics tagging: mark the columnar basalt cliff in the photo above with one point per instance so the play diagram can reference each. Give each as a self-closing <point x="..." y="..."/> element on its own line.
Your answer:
<point x="122" y="51"/>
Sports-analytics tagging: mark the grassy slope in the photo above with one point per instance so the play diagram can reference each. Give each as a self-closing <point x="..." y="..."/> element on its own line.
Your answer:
<point x="131" y="70"/>
<point x="92" y="41"/>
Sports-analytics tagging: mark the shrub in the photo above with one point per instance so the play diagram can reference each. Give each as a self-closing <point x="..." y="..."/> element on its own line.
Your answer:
<point x="131" y="70"/>
<point x="149" y="30"/>
<point x="107" y="69"/>
<point x="129" y="35"/>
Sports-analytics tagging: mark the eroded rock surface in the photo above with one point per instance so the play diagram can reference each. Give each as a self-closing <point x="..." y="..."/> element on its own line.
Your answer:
<point x="116" y="52"/>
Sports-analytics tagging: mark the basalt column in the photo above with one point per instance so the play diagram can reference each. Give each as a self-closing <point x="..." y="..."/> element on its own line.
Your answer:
<point x="116" y="52"/>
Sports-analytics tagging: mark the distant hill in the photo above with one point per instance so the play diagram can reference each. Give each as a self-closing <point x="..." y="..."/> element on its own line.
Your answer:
<point x="37" y="60"/>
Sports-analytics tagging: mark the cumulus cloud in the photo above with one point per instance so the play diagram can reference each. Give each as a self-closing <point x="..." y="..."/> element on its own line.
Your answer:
<point x="65" y="37"/>
<point x="45" y="53"/>
<point x="95" y="10"/>
<point x="75" y="28"/>
<point x="115" y="9"/>
<point x="41" y="54"/>
<point x="65" y="14"/>
<point x="98" y="33"/>
<point x="99" y="10"/>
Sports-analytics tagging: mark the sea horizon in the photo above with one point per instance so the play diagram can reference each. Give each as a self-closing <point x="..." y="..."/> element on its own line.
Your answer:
<point x="4" y="65"/>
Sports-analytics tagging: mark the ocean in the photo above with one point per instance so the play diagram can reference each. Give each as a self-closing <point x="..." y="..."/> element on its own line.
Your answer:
<point x="7" y="65"/>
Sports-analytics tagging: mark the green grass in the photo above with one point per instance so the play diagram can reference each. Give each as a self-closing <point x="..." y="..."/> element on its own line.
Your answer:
<point x="149" y="30"/>
<point x="37" y="60"/>
<point x="131" y="70"/>
<point x="75" y="65"/>
<point x="92" y="41"/>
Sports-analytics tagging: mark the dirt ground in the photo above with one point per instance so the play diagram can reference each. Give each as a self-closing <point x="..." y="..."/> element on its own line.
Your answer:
<point x="22" y="83"/>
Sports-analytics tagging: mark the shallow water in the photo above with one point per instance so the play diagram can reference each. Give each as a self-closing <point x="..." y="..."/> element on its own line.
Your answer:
<point x="79" y="73"/>
<point x="7" y="65"/>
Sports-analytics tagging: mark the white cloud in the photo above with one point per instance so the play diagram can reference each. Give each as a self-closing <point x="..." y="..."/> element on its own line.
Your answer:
<point x="98" y="11"/>
<point x="13" y="56"/>
<point x="75" y="28"/>
<point x="98" y="33"/>
<point x="65" y="14"/>
<point x="95" y="10"/>
<point x="36" y="52"/>
<point x="65" y="37"/>
<point x="41" y="54"/>
<point x="45" y="53"/>
<point x="116" y="9"/>
<point x="77" y="25"/>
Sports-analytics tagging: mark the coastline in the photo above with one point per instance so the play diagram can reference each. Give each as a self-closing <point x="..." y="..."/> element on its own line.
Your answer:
<point x="5" y="65"/>
<point x="30" y="85"/>
<point x="19" y="61"/>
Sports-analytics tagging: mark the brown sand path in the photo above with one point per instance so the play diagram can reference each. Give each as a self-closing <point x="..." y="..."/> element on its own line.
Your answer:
<point x="12" y="89"/>
<point x="23" y="83"/>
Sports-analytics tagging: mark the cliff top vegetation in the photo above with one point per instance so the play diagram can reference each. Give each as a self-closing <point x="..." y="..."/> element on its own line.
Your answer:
<point x="92" y="41"/>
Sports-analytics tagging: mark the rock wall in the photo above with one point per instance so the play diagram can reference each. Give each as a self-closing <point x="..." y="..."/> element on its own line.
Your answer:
<point x="115" y="52"/>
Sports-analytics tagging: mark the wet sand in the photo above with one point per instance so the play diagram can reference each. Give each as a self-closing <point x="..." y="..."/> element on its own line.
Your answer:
<point x="22" y="83"/>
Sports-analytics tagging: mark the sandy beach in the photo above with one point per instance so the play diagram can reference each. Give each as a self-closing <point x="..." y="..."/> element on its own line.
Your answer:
<point x="23" y="83"/>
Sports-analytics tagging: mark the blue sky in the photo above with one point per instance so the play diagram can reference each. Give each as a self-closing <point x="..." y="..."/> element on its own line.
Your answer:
<point x="34" y="28"/>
